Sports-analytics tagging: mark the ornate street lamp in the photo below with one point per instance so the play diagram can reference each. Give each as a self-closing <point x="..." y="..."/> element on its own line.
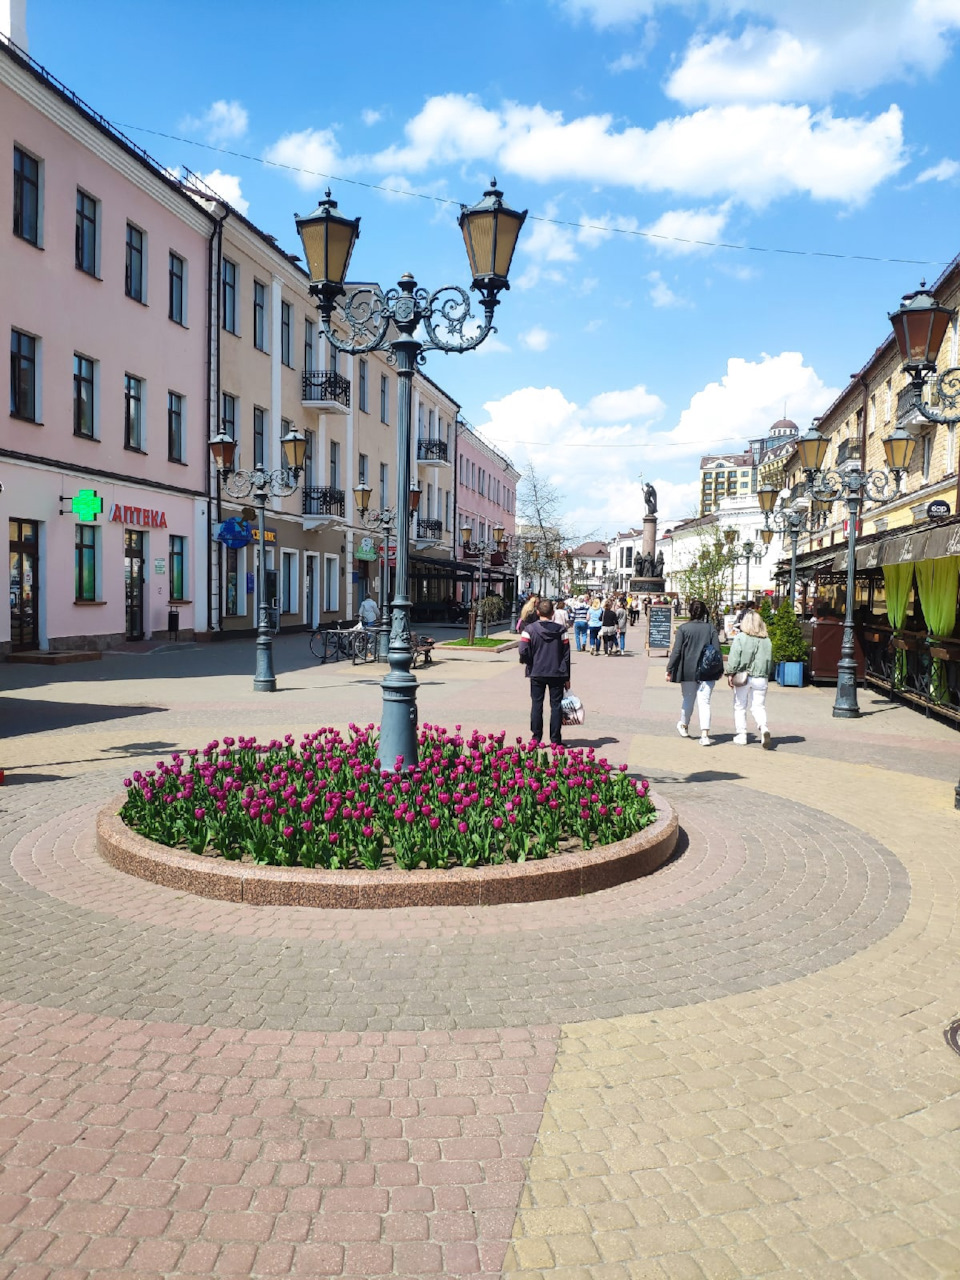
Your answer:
<point x="259" y="485"/>
<point x="385" y="523"/>
<point x="407" y="321"/>
<point x="789" y="523"/>
<point x="474" y="547"/>
<point x="751" y="554"/>
<point x="855" y="485"/>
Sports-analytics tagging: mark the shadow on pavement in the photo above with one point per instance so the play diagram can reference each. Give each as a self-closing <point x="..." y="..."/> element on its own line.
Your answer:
<point x="13" y="779"/>
<point x="704" y="775"/>
<point x="27" y="715"/>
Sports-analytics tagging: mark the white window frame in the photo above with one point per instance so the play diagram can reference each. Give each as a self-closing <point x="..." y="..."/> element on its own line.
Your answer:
<point x="183" y="322"/>
<point x="144" y="299"/>
<point x="291" y="559"/>
<point x="318" y="594"/>
<point x="331" y="579"/>
<point x="39" y="161"/>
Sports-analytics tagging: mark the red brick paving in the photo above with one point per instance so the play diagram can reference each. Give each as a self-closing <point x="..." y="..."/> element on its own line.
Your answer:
<point x="160" y="1150"/>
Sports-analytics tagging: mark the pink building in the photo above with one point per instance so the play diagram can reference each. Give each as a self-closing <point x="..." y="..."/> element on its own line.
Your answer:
<point x="486" y="496"/>
<point x="103" y="453"/>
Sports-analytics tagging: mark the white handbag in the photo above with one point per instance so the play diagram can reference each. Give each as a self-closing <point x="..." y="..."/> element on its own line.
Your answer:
<point x="572" y="708"/>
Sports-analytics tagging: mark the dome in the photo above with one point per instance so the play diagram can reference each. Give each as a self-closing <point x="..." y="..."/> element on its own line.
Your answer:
<point x="783" y="426"/>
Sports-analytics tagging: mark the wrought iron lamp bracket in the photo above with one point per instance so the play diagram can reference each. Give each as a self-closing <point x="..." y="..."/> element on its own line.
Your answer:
<point x="948" y="392"/>
<point x="259" y="483"/>
<point x="827" y="486"/>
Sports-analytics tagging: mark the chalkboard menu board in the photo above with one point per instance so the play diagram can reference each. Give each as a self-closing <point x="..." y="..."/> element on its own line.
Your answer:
<point x="659" y="627"/>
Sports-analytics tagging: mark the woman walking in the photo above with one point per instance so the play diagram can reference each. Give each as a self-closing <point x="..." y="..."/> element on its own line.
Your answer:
<point x="683" y="668"/>
<point x="622" y="625"/>
<point x="528" y="613"/>
<point x="608" y="626"/>
<point x="594" y="623"/>
<point x="748" y="667"/>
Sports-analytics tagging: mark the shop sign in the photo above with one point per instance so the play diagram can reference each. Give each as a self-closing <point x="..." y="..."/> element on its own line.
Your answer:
<point x="142" y="517"/>
<point x="367" y="549"/>
<point x="937" y="509"/>
<point x="159" y="566"/>
<point x="234" y="533"/>
<point x="249" y="584"/>
<point x="86" y="505"/>
<point x="270" y="535"/>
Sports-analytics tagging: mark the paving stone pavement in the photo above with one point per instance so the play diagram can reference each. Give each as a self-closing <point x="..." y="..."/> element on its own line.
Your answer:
<point x="733" y="1068"/>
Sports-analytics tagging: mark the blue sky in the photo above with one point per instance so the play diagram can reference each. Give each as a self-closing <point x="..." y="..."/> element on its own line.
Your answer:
<point x="780" y="124"/>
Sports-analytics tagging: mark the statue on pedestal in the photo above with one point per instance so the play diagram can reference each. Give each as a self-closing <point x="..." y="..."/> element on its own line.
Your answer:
<point x="650" y="498"/>
<point x="658" y="567"/>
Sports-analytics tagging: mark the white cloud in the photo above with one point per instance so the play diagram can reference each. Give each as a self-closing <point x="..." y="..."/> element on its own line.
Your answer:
<point x="661" y="295"/>
<point x="678" y="231"/>
<point x="227" y="186"/>
<point x="370" y="117"/>
<point x="311" y="156"/>
<point x="625" y="406"/>
<point x="745" y="401"/>
<point x="594" y="230"/>
<point x="221" y="122"/>
<point x="610" y="13"/>
<point x="536" y="338"/>
<point x="945" y="171"/>
<point x="754" y="153"/>
<point x="547" y="241"/>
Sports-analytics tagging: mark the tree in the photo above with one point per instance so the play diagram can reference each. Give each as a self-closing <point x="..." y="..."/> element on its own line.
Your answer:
<point x="708" y="573"/>
<point x="540" y="510"/>
<point x="787" y="637"/>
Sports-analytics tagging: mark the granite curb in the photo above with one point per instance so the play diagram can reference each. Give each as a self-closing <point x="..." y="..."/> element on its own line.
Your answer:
<point x="565" y="876"/>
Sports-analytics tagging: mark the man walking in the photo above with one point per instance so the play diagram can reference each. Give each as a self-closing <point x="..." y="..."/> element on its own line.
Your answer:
<point x="580" y="611"/>
<point x="545" y="652"/>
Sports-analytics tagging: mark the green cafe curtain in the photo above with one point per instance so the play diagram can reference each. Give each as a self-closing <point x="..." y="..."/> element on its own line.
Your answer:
<point x="897" y="580"/>
<point x="937" y="584"/>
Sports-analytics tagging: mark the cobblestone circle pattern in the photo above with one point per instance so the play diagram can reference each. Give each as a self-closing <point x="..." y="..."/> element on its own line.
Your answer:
<point x="763" y="891"/>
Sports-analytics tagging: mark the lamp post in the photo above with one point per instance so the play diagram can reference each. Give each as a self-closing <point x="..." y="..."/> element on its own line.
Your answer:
<point x="376" y="321"/>
<point x="751" y="553"/>
<point x="789" y="523"/>
<point x="481" y="549"/>
<point x="854" y="485"/>
<point x="385" y="522"/>
<point x="259" y="485"/>
<point x="920" y="325"/>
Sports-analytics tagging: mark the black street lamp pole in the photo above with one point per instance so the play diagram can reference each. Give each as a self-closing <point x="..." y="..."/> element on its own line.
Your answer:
<point x="260" y="485"/>
<point x="406" y="321"/>
<point x="385" y="522"/>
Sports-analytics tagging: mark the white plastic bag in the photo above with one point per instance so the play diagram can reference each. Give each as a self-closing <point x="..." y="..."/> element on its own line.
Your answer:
<point x="572" y="708"/>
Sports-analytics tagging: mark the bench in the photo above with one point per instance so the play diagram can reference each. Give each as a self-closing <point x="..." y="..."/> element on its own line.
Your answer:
<point x="422" y="649"/>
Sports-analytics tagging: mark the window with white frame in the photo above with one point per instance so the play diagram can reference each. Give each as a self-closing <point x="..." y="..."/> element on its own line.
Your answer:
<point x="228" y="302"/>
<point x="135" y="276"/>
<point x="176" y="443"/>
<point x="331" y="583"/>
<point x="288" y="582"/>
<point x="309" y="463"/>
<point x="177" y="289"/>
<point x="384" y="485"/>
<point x="363" y="466"/>
<point x="259" y="315"/>
<point x="309" y="345"/>
<point x="259" y="435"/>
<point x="362" y="386"/>
<point x="384" y="398"/>
<point x="334" y="464"/>
<point x="228" y="415"/>
<point x="84" y="396"/>
<point x="133" y="424"/>
<point x="87" y="234"/>
<point x="286" y="334"/>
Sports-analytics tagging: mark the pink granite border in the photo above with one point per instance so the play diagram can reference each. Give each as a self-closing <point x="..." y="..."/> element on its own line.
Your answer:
<point x="565" y="876"/>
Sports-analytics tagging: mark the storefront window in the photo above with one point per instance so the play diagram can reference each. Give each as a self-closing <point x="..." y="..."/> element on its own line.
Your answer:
<point x="85" y="563"/>
<point x="177" y="558"/>
<point x="232" y="583"/>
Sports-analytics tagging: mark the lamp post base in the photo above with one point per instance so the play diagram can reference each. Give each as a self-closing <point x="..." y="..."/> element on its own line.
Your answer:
<point x="846" y="706"/>
<point x="264" y="680"/>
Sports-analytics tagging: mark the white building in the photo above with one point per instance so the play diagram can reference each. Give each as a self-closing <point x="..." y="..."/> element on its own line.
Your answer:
<point x="683" y="542"/>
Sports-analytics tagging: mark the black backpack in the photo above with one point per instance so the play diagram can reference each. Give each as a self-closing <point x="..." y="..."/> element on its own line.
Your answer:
<point x="710" y="666"/>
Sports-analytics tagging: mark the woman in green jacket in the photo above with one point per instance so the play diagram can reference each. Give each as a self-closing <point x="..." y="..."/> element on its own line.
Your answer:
<point x="748" y="670"/>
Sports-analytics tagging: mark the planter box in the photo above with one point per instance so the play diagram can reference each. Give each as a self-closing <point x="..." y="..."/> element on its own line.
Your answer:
<point x="791" y="674"/>
<point x="937" y="651"/>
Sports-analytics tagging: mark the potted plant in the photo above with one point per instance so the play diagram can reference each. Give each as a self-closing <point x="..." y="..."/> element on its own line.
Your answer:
<point x="789" y="647"/>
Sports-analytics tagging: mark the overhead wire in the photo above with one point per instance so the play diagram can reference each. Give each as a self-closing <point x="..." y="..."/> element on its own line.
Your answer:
<point x="603" y="228"/>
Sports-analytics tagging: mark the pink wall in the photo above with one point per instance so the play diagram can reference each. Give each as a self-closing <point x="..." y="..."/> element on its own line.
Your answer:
<point x="484" y="507"/>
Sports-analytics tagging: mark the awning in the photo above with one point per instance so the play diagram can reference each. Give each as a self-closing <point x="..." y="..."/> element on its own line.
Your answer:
<point x="944" y="541"/>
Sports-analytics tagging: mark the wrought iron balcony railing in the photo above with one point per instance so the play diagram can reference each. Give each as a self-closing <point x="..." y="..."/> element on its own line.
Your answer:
<point x="848" y="451"/>
<point x="323" y="501"/>
<point x="430" y="530"/>
<point x="325" y="386"/>
<point x="432" y="450"/>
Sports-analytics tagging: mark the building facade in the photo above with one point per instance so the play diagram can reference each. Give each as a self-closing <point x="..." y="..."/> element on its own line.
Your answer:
<point x="485" y="497"/>
<point x="103" y="451"/>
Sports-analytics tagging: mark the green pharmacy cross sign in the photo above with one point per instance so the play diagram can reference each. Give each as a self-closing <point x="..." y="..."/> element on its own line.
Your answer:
<point x="86" y="505"/>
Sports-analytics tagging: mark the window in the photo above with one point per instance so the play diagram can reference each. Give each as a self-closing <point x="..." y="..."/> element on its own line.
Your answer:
<point x="178" y="556"/>
<point x="362" y="467"/>
<point x="259" y="315"/>
<point x="309" y="344"/>
<point x="26" y="196"/>
<point x="228" y="416"/>
<point x="308" y="463"/>
<point x="286" y="334"/>
<point x="473" y="475"/>
<point x="384" y="398"/>
<point x="447" y="505"/>
<point x="258" y="436"/>
<point x="83" y="397"/>
<point x="288" y="582"/>
<point x="927" y="455"/>
<point x="85" y="563"/>
<point x="23" y="376"/>
<point x="334" y="464"/>
<point x="331" y="583"/>
<point x="421" y="422"/>
<point x="134" y="280"/>
<point x="177" y="310"/>
<point x="384" y="485"/>
<point x="86" y="239"/>
<point x="231" y="583"/>
<point x="363" y="386"/>
<point x="229" y="299"/>
<point x="333" y="361"/>
<point x="133" y="413"/>
<point x="175" y="443"/>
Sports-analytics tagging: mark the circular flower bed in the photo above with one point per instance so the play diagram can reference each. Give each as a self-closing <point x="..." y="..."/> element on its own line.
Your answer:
<point x="468" y="802"/>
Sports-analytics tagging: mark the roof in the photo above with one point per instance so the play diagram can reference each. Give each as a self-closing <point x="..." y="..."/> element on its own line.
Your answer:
<point x="590" y="549"/>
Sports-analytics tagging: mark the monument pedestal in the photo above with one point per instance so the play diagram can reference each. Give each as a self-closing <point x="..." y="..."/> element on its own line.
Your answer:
<point x="649" y="544"/>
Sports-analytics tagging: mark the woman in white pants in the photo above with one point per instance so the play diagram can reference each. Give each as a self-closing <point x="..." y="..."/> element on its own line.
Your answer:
<point x="748" y="669"/>
<point x="682" y="668"/>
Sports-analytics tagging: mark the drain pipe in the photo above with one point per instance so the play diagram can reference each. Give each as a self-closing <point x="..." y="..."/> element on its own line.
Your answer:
<point x="214" y="260"/>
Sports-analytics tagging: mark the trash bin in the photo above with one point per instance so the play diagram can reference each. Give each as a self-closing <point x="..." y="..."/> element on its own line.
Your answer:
<point x="173" y="624"/>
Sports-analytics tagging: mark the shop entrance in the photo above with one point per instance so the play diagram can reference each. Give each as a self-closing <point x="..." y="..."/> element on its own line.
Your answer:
<point x="133" y="570"/>
<point x="24" y="584"/>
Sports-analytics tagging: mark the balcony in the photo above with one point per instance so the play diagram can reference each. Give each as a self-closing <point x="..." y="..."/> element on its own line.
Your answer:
<point x="322" y="505"/>
<point x="429" y="530"/>
<point x="325" y="390"/>
<point x="433" y="451"/>
<point x="848" y="452"/>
